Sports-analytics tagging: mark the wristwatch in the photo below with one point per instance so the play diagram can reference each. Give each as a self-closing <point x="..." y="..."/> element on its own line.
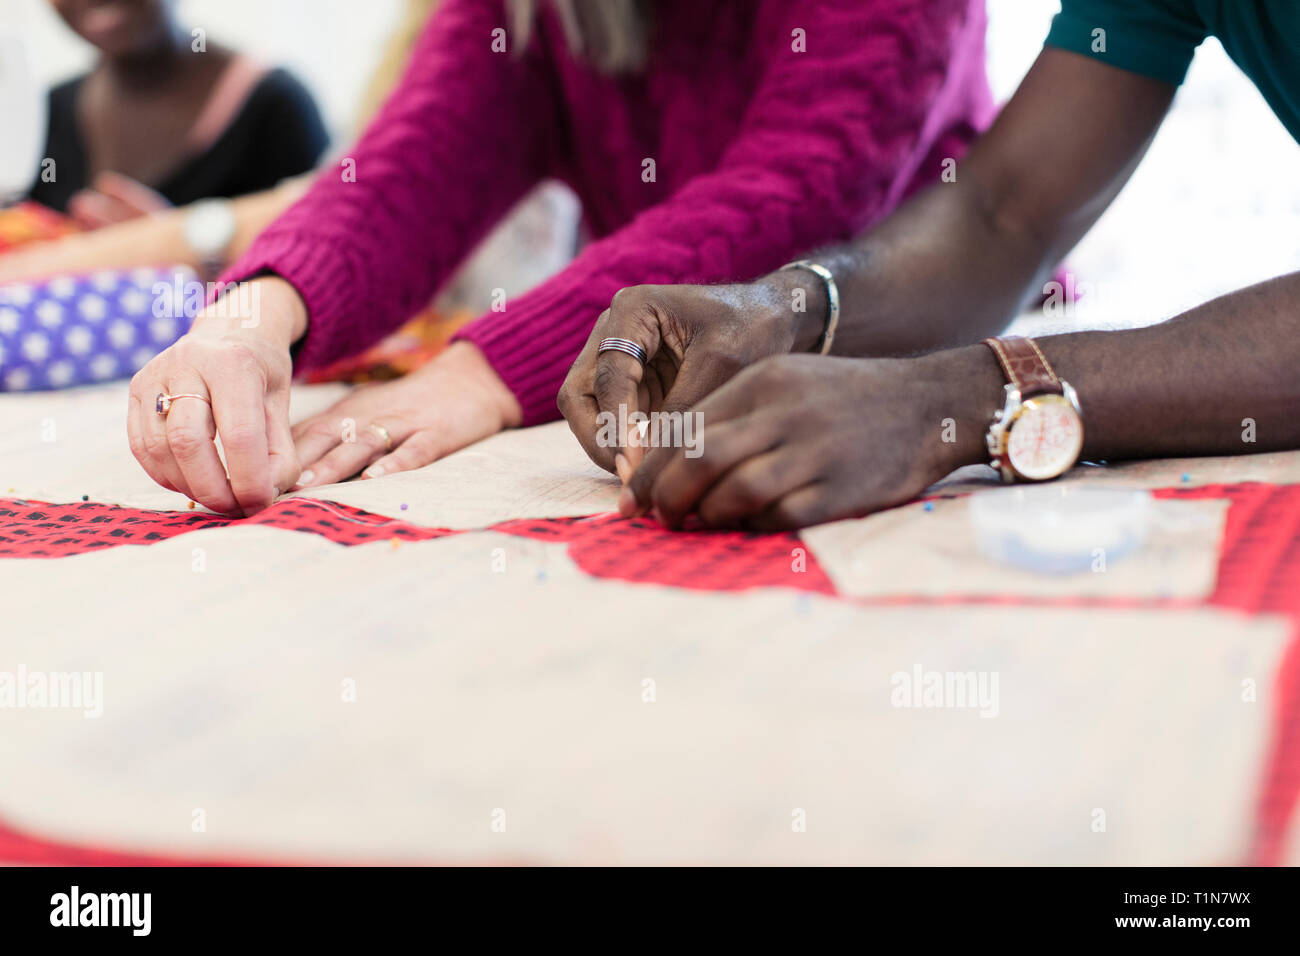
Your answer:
<point x="1038" y="434"/>
<point x="209" y="228"/>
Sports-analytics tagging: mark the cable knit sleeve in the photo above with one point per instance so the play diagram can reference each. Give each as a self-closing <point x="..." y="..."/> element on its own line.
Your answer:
<point x="828" y="144"/>
<point x="462" y="138"/>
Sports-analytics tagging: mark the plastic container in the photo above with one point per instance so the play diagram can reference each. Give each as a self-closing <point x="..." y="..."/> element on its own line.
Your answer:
<point x="1059" y="529"/>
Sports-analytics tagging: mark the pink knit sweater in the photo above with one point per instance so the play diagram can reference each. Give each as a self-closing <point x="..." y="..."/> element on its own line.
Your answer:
<point x="774" y="126"/>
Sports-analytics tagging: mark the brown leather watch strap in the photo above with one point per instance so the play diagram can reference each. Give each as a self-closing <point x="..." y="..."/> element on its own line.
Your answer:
<point x="1025" y="365"/>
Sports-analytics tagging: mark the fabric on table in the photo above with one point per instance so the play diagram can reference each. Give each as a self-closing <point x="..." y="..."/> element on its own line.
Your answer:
<point x="604" y="546"/>
<point x="31" y="222"/>
<point x="273" y="599"/>
<point x="487" y="675"/>
<point x="74" y="330"/>
<point x="1178" y="559"/>
<point x="410" y="347"/>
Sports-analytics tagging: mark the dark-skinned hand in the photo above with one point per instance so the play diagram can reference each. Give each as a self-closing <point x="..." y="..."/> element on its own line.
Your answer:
<point x="696" y="338"/>
<point x="797" y="440"/>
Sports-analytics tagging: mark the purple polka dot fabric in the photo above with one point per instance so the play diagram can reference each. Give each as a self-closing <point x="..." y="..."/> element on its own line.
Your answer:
<point x="78" y="330"/>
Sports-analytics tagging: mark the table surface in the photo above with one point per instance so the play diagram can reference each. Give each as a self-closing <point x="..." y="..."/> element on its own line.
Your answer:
<point x="504" y="670"/>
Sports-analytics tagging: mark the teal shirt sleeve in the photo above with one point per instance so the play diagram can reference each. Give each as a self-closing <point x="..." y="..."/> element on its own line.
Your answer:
<point x="1156" y="38"/>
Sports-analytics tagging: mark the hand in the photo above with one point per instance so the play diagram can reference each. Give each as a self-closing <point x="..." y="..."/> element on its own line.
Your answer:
<point x="114" y="198"/>
<point x="236" y="355"/>
<point x="800" y="439"/>
<point x="696" y="337"/>
<point x="455" y="400"/>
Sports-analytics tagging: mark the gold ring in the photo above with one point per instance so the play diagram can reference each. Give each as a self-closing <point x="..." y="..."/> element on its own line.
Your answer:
<point x="163" y="403"/>
<point x="382" y="432"/>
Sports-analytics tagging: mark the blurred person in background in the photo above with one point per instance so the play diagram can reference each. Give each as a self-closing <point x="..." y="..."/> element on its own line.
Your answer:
<point x="166" y="118"/>
<point x="706" y="140"/>
<point x="531" y="245"/>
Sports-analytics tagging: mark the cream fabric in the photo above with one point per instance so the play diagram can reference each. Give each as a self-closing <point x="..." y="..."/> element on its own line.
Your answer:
<point x="58" y="446"/>
<point x="490" y="674"/>
<point x="523" y="690"/>
<point x="934" y="553"/>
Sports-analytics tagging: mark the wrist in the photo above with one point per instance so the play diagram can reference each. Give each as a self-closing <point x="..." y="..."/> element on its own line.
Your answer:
<point x="268" y="306"/>
<point x="465" y="357"/>
<point x="798" y="301"/>
<point x="965" y="386"/>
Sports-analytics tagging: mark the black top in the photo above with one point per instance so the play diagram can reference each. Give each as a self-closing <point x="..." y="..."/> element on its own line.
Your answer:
<point x="277" y="134"/>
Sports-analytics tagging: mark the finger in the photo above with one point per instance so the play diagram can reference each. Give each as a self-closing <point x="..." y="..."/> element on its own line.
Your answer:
<point x="799" y="508"/>
<point x="616" y="387"/>
<point x="150" y="447"/>
<point x="279" y="444"/>
<point x="728" y="404"/>
<point x="347" y="458"/>
<point x="756" y="484"/>
<point x="91" y="210"/>
<point x="311" y="440"/>
<point x="422" y="448"/>
<point x="239" y="409"/>
<point x="617" y="377"/>
<point x="190" y="429"/>
<point x="131" y="193"/>
<point x="673" y="483"/>
<point x="594" y="435"/>
<point x="577" y="403"/>
<point x="702" y="372"/>
<point x="113" y="210"/>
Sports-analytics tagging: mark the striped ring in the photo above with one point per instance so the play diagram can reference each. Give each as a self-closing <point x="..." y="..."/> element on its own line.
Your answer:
<point x="626" y="346"/>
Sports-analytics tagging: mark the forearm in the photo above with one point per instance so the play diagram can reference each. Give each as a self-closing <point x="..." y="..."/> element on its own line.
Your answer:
<point x="941" y="271"/>
<point x="154" y="240"/>
<point x="460" y="140"/>
<point x="1220" y="379"/>
<point x="957" y="262"/>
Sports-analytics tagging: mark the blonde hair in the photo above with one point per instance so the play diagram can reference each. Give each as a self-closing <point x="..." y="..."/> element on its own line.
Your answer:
<point x="612" y="35"/>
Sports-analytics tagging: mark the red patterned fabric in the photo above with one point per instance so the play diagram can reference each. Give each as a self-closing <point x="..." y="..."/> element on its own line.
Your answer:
<point x="640" y="550"/>
<point x="38" y="529"/>
<point x="604" y="546"/>
<point x="1259" y="572"/>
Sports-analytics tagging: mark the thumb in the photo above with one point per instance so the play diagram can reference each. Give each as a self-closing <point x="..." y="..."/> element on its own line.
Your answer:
<point x="618" y="376"/>
<point x="285" y="467"/>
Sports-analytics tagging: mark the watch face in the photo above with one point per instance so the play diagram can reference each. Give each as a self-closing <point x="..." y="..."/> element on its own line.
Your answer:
<point x="209" y="226"/>
<point x="1045" y="438"/>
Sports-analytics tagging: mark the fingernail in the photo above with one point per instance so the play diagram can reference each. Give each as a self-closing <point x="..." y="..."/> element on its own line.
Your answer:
<point x="620" y="466"/>
<point x="626" y="502"/>
<point x="374" y="471"/>
<point x="275" y="493"/>
<point x="306" y="478"/>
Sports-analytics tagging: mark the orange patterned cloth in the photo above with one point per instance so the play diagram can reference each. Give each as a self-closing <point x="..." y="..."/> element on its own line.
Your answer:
<point x="32" y="222"/>
<point x="408" y="348"/>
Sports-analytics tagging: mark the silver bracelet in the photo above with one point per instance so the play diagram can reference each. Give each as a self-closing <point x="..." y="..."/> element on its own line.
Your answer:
<point x="832" y="299"/>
